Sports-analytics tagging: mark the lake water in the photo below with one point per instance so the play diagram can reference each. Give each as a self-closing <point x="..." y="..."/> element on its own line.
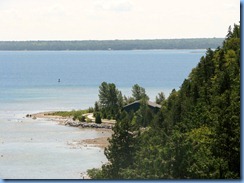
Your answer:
<point x="38" y="149"/>
<point x="29" y="84"/>
<point x="30" y="78"/>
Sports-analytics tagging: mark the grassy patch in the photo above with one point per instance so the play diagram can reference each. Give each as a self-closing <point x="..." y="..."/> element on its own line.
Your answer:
<point x="76" y="114"/>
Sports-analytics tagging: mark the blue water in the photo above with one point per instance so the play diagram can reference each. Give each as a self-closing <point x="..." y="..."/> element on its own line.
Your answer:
<point x="28" y="78"/>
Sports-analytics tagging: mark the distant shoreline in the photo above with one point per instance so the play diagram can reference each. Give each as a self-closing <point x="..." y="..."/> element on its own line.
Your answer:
<point x="109" y="45"/>
<point x="105" y="50"/>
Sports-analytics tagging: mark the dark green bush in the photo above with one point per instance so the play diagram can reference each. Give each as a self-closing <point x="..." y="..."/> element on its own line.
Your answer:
<point x="98" y="119"/>
<point x="82" y="118"/>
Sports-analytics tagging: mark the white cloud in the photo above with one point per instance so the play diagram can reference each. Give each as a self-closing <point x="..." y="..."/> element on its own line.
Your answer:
<point x="230" y="6"/>
<point x="115" y="19"/>
<point x="112" y="5"/>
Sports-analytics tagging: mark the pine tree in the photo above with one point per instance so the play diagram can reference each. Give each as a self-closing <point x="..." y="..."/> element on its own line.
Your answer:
<point x="139" y="92"/>
<point x="120" y="152"/>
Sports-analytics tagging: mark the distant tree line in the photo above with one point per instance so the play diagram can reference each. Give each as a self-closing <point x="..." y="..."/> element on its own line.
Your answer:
<point x="196" y="43"/>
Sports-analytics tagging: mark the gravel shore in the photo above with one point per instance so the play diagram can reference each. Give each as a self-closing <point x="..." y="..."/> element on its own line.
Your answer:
<point x="101" y="142"/>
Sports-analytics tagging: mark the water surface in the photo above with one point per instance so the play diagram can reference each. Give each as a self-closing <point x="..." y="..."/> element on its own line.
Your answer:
<point x="38" y="149"/>
<point x="30" y="77"/>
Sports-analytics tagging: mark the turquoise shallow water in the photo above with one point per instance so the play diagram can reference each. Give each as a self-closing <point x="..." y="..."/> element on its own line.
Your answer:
<point x="36" y="149"/>
<point x="39" y="149"/>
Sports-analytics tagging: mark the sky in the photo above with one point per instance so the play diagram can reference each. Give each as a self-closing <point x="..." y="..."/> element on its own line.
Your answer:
<point x="116" y="19"/>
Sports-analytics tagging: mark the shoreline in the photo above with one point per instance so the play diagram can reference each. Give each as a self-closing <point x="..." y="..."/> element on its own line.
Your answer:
<point x="101" y="142"/>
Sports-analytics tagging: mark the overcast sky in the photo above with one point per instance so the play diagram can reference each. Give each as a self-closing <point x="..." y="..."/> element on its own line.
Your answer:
<point x="115" y="19"/>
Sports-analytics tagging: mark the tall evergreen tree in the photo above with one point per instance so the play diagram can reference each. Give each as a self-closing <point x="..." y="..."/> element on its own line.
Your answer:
<point x="120" y="152"/>
<point x="139" y="92"/>
<point x="110" y="100"/>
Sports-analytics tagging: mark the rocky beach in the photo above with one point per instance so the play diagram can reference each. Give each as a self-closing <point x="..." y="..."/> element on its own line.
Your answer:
<point x="105" y="127"/>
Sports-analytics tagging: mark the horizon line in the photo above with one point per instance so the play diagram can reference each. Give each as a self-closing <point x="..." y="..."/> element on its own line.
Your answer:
<point x="113" y="39"/>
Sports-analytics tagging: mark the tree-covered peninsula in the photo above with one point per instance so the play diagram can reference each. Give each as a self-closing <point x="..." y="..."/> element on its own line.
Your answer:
<point x="196" y="43"/>
<point x="194" y="135"/>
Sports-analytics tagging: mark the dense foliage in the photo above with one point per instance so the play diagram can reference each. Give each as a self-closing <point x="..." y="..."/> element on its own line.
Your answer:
<point x="196" y="134"/>
<point x="198" y="43"/>
<point x="110" y="101"/>
<point x="139" y="93"/>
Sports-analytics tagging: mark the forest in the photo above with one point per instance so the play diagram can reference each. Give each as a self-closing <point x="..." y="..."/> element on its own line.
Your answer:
<point x="194" y="135"/>
<point x="196" y="43"/>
